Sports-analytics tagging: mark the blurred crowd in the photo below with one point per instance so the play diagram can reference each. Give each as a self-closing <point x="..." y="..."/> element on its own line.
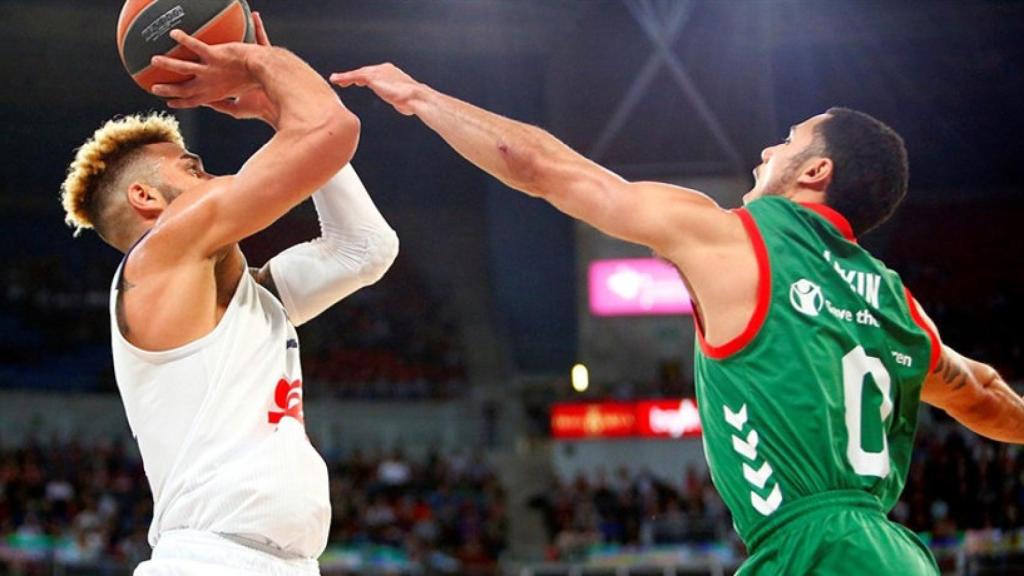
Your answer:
<point x="630" y="508"/>
<point x="82" y="504"/>
<point x="437" y="510"/>
<point x="390" y="341"/>
<point x="957" y="482"/>
<point x="85" y="505"/>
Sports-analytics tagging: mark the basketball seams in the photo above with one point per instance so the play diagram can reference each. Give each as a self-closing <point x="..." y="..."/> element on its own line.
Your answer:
<point x="150" y="10"/>
<point x="178" y="51"/>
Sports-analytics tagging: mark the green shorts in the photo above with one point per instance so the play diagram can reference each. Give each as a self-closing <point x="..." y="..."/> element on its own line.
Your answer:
<point x="835" y="533"/>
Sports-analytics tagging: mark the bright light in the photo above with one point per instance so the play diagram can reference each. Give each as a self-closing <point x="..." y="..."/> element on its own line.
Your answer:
<point x="580" y="378"/>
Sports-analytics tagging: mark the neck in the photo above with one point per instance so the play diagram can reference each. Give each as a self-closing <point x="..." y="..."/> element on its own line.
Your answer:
<point x="128" y="240"/>
<point x="806" y="196"/>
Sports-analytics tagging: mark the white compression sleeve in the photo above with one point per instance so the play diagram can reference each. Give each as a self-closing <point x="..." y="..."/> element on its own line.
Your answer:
<point x="355" y="249"/>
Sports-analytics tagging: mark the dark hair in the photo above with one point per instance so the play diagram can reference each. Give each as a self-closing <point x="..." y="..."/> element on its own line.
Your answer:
<point x="869" y="164"/>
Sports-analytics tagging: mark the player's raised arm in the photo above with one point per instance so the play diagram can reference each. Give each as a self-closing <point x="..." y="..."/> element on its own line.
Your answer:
<point x="309" y="118"/>
<point x="533" y="161"/>
<point x="975" y="395"/>
<point x="356" y="245"/>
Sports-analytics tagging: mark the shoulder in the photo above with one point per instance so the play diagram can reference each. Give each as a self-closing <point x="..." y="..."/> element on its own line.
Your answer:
<point x="685" y="218"/>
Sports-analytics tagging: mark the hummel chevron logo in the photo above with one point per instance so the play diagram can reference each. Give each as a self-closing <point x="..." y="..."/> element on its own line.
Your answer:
<point x="757" y="477"/>
<point x="748" y="448"/>
<point x="736" y="419"/>
<point x="758" y="471"/>
<point x="767" y="505"/>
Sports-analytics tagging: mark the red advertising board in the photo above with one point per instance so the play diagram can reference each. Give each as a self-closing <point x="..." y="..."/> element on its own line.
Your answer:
<point x="642" y="419"/>
<point x="595" y="420"/>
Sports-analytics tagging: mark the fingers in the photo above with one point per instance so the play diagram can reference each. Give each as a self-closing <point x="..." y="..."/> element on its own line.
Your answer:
<point x="178" y="90"/>
<point x="182" y="103"/>
<point x="197" y="46"/>
<point x="261" y="31"/>
<point x="355" y="77"/>
<point x="227" y="106"/>
<point x="183" y="67"/>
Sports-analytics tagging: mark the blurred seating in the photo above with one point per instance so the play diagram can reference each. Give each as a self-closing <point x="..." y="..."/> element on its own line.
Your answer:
<point x="91" y="506"/>
<point x="388" y="341"/>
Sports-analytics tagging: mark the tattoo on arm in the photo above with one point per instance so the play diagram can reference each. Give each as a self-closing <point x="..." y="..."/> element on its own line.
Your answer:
<point x="951" y="372"/>
<point x="122" y="320"/>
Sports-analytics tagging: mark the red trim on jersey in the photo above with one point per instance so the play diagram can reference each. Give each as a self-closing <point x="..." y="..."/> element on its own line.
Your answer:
<point x="764" y="293"/>
<point x="834" y="218"/>
<point x="919" y="320"/>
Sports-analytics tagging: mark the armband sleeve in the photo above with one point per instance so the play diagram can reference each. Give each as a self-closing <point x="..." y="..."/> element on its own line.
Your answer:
<point x="356" y="248"/>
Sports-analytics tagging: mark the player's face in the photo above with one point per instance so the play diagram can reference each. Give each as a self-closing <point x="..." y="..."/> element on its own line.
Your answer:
<point x="781" y="163"/>
<point x="180" y="170"/>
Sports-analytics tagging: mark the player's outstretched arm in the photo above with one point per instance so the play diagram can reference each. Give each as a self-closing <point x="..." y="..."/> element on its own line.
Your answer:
<point x="533" y="161"/>
<point x="309" y="118"/>
<point x="976" y="396"/>
<point x="973" y="393"/>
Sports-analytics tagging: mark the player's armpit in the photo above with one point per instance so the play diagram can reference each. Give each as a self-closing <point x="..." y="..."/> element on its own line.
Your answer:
<point x="976" y="396"/>
<point x="264" y="278"/>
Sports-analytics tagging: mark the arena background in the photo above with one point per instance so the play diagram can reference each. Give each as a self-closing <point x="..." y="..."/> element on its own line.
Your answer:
<point x="430" y="394"/>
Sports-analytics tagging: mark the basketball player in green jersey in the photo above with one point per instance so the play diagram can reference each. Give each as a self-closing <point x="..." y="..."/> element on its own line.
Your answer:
<point x="812" y="355"/>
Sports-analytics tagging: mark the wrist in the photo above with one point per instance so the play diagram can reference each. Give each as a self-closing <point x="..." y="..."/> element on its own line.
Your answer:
<point x="270" y="117"/>
<point x="422" y="98"/>
<point x="256" y="60"/>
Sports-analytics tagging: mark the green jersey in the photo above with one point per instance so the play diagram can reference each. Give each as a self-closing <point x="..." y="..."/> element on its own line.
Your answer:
<point x="820" y="393"/>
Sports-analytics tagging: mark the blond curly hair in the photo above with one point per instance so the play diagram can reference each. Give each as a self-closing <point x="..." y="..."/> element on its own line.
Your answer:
<point x="100" y="156"/>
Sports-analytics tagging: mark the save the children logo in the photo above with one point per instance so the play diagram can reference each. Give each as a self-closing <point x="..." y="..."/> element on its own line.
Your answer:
<point x="806" y="297"/>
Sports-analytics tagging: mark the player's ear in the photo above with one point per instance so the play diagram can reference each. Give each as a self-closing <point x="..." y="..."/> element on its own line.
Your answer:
<point x="146" y="200"/>
<point x="817" y="173"/>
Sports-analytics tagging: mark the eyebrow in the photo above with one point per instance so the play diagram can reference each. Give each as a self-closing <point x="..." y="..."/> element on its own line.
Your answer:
<point x="190" y="156"/>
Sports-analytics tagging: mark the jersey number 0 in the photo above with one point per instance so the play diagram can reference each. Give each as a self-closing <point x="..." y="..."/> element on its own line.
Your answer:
<point x="857" y="365"/>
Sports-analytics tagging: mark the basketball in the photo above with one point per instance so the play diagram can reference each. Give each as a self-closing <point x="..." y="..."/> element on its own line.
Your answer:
<point x="143" y="31"/>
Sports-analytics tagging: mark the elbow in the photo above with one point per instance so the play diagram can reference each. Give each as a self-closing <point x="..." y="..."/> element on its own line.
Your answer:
<point x="525" y="165"/>
<point x="382" y="254"/>
<point x="343" y="129"/>
<point x="348" y="124"/>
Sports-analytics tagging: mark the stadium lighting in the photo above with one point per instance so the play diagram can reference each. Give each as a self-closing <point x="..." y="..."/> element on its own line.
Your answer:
<point x="580" y="378"/>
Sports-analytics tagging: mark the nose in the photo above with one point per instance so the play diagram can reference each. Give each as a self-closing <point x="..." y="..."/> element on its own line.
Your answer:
<point x="767" y="153"/>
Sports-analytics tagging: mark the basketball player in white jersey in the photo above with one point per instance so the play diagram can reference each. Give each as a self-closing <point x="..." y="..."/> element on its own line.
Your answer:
<point x="205" y="351"/>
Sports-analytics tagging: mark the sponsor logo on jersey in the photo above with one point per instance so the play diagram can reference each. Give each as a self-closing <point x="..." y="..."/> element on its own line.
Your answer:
<point x="902" y="359"/>
<point x="806" y="297"/>
<point x="865" y="284"/>
<point x="288" y="399"/>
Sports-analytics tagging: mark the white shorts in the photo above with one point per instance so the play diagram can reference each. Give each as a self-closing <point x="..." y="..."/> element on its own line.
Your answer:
<point x="196" y="553"/>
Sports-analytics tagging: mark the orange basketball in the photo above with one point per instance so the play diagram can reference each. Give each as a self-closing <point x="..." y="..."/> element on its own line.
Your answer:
<point x="144" y="28"/>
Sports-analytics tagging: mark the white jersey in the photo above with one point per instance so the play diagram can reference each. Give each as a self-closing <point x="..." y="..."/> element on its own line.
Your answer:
<point x="220" y="427"/>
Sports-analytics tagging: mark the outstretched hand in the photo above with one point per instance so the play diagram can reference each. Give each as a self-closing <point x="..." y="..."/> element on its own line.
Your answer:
<point x="388" y="81"/>
<point x="220" y="73"/>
